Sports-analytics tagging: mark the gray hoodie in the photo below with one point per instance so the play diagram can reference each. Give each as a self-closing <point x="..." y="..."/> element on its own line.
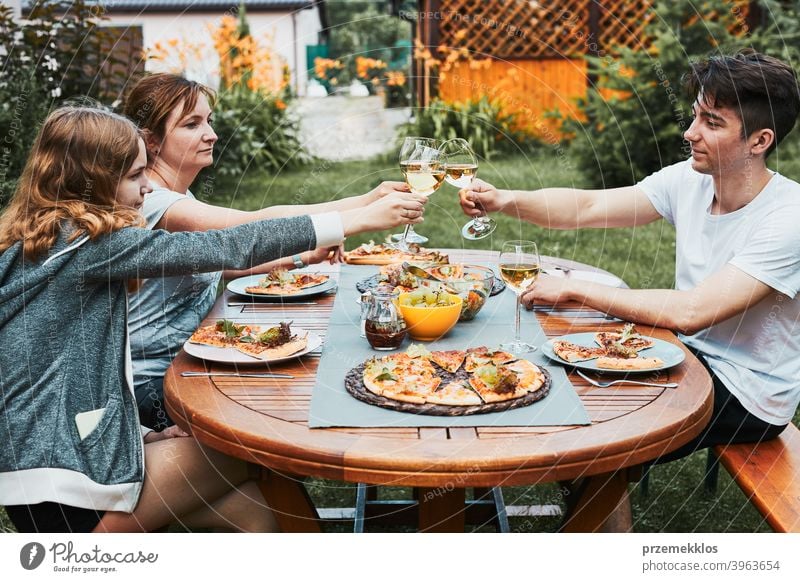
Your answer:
<point x="64" y="351"/>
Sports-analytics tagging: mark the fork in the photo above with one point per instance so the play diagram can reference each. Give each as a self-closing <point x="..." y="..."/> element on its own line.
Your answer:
<point x="640" y="383"/>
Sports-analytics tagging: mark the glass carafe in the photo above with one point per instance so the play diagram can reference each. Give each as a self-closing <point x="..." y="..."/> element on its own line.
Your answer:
<point x="384" y="326"/>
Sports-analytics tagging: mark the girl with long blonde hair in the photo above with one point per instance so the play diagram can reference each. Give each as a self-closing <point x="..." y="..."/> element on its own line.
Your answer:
<point x="74" y="456"/>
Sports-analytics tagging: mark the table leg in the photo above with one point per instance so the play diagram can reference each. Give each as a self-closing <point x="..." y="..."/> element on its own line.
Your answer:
<point x="441" y="510"/>
<point x="289" y="500"/>
<point x="599" y="503"/>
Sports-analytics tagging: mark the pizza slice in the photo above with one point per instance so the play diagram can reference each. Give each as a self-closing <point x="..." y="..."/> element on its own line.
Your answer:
<point x="609" y="363"/>
<point x="530" y="376"/>
<point x="282" y="282"/>
<point x="480" y="356"/>
<point x="456" y="393"/>
<point x="496" y="383"/>
<point x="624" y="343"/>
<point x="223" y="334"/>
<point x="570" y="352"/>
<point x="400" y="377"/>
<point x="275" y="342"/>
<point x="450" y="360"/>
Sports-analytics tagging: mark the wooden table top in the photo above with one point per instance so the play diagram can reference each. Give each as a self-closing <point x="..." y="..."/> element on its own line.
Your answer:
<point x="264" y="421"/>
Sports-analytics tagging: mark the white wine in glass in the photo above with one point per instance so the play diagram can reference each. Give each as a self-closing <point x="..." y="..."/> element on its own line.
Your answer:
<point x="421" y="177"/>
<point x="461" y="175"/>
<point x="423" y="171"/>
<point x="461" y="164"/>
<point x="413" y="152"/>
<point x="520" y="266"/>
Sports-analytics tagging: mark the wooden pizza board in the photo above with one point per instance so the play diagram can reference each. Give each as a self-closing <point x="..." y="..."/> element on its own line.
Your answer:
<point x="354" y="383"/>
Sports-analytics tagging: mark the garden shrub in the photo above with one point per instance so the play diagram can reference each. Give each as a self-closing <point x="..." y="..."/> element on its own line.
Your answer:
<point x="639" y="128"/>
<point x="52" y="57"/>
<point x="482" y="123"/>
<point x="255" y="130"/>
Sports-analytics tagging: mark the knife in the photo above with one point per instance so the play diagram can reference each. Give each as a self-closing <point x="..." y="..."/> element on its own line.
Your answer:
<point x="236" y="375"/>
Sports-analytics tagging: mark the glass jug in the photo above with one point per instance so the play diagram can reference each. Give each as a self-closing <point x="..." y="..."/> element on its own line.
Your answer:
<point x="385" y="327"/>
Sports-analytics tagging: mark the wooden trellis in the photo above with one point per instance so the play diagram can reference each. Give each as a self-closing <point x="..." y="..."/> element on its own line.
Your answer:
<point x="508" y="29"/>
<point x="540" y="44"/>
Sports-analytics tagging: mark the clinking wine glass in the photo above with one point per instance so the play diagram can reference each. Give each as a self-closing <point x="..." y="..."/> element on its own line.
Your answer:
<point x="519" y="267"/>
<point x="421" y="165"/>
<point x="461" y="165"/>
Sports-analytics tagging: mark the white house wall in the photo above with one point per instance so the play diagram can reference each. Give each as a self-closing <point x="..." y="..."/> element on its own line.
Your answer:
<point x="287" y="40"/>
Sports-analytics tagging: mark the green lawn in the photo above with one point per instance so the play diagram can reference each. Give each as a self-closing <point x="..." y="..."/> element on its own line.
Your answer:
<point x="643" y="257"/>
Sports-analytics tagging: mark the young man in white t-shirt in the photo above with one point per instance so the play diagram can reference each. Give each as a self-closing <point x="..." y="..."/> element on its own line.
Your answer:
<point x="735" y="302"/>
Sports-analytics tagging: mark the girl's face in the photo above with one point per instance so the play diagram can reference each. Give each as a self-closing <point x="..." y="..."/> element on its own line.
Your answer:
<point x="189" y="139"/>
<point x="134" y="184"/>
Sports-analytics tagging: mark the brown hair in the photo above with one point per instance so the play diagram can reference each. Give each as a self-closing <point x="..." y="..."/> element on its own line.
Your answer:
<point x="72" y="174"/>
<point x="151" y="100"/>
<point x="762" y="89"/>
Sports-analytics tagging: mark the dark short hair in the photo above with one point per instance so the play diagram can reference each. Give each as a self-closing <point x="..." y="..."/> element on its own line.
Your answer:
<point x="762" y="89"/>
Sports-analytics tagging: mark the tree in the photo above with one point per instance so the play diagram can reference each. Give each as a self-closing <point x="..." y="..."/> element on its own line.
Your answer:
<point x="637" y="111"/>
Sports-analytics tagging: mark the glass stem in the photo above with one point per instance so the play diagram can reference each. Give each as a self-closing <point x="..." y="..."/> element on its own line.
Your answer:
<point x="403" y="245"/>
<point x="517" y="337"/>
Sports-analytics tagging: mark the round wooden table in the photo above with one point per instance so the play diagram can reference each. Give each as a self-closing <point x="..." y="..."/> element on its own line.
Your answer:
<point x="264" y="421"/>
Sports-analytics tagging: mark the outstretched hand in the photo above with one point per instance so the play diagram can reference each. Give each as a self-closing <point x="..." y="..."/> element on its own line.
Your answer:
<point x="547" y="290"/>
<point x="386" y="188"/>
<point x="480" y="197"/>
<point x="331" y="254"/>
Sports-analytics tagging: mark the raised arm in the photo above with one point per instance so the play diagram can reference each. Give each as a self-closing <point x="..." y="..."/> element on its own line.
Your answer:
<point x="563" y="208"/>
<point x="686" y="312"/>
<point x="193" y="215"/>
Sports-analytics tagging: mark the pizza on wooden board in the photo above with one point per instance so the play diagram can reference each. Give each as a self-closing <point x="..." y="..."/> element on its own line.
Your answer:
<point x="283" y="282"/>
<point x="382" y="254"/>
<point x="440" y="377"/>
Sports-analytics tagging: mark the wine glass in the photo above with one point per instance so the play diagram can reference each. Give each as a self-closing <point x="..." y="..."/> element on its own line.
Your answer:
<point x="461" y="166"/>
<point x="519" y="267"/>
<point x="421" y="165"/>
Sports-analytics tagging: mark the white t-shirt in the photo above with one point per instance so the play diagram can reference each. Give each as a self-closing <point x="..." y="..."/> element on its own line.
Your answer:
<point x="756" y="354"/>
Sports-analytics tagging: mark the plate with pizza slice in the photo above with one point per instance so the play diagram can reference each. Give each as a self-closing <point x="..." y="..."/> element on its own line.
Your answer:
<point x="227" y="342"/>
<point x="622" y="350"/>
<point x="281" y="283"/>
<point x="448" y="383"/>
<point x="382" y="254"/>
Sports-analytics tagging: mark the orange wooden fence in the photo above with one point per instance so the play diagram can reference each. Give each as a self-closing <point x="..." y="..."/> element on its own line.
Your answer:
<point x="536" y="50"/>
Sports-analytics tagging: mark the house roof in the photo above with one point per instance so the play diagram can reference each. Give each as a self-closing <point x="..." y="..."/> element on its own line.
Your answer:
<point x="192" y="5"/>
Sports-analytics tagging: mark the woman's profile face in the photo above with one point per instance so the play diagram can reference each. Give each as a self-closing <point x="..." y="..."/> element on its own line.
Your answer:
<point x="134" y="184"/>
<point x="189" y="139"/>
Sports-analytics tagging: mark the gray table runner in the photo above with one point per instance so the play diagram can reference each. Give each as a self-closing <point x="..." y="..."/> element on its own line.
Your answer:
<point x="344" y="349"/>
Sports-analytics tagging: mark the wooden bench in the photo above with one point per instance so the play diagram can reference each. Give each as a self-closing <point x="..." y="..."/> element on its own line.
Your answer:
<point x="769" y="474"/>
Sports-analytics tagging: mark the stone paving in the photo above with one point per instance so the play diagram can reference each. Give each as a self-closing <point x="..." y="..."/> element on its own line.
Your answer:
<point x="348" y="128"/>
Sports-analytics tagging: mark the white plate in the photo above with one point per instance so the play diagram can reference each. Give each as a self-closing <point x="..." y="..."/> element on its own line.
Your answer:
<point x="590" y="276"/>
<point x="595" y="277"/>
<point x="669" y="353"/>
<point x="234" y="356"/>
<point x="239" y="285"/>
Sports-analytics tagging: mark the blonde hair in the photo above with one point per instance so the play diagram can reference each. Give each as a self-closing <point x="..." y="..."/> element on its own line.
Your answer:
<point x="72" y="175"/>
<point x="151" y="101"/>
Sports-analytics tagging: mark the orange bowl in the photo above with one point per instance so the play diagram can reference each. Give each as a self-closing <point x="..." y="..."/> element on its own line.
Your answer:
<point x="427" y="323"/>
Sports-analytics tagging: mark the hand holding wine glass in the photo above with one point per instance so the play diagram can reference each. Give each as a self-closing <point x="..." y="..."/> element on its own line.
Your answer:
<point x="520" y="266"/>
<point x="461" y="165"/>
<point x="421" y="165"/>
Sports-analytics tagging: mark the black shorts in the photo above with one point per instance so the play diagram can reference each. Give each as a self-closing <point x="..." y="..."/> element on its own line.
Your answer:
<point x="730" y="423"/>
<point x="49" y="517"/>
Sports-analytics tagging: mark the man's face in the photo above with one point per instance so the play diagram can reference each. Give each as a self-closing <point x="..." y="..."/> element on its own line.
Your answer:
<point x="716" y="138"/>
